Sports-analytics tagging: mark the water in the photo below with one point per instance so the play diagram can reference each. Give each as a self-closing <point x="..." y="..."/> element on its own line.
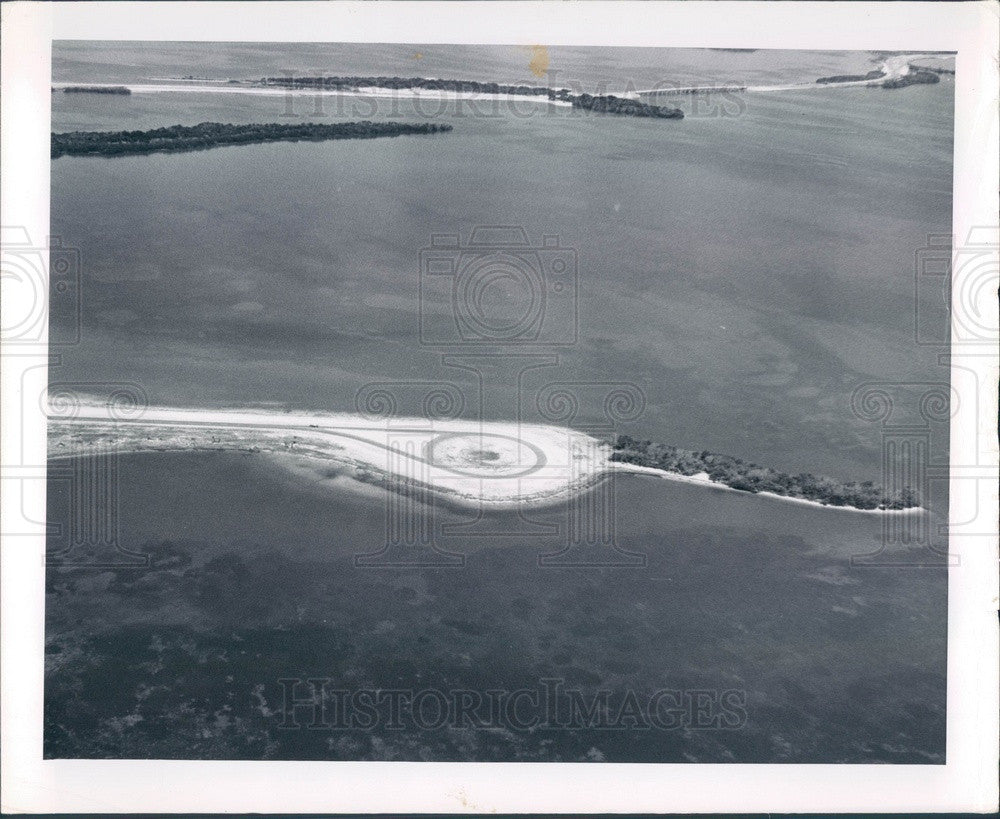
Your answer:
<point x="744" y="273"/>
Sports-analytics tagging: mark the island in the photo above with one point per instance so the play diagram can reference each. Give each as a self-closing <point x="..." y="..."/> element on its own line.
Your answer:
<point x="748" y="477"/>
<point x="912" y="78"/>
<point x="212" y="134"/>
<point x="602" y="103"/>
<point x="932" y="68"/>
<point x="96" y="89"/>
<point x="697" y="89"/>
<point x="871" y="75"/>
<point x="479" y="463"/>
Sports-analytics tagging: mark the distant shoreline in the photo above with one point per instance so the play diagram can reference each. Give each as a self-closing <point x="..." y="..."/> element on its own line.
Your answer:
<point x="896" y="70"/>
<point x="599" y="103"/>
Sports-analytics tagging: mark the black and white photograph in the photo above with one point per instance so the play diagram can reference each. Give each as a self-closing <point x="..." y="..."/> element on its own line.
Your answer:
<point x="478" y="401"/>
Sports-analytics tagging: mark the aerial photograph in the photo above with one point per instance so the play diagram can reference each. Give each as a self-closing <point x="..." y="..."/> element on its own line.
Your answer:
<point x="497" y="403"/>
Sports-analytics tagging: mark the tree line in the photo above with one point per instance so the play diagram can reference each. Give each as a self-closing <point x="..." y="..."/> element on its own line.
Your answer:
<point x="913" y="78"/>
<point x="749" y="477"/>
<point x="602" y="103"/>
<point x="871" y="75"/>
<point x="211" y="134"/>
<point x="96" y="89"/>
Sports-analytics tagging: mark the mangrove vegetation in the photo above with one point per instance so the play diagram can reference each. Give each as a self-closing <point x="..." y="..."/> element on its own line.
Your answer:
<point x="602" y="103"/>
<point x="913" y="78"/>
<point x="97" y="89"/>
<point x="212" y="134"/>
<point x="871" y="75"/>
<point x="749" y="477"/>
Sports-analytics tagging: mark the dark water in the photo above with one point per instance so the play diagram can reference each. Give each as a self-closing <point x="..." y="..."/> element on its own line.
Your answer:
<point x="253" y="580"/>
<point x="744" y="273"/>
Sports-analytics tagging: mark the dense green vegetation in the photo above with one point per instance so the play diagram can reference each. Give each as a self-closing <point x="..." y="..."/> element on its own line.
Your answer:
<point x="913" y="78"/>
<point x="749" y="477"/>
<point x="211" y="134"/>
<point x="610" y="104"/>
<point x="871" y="75"/>
<point x="97" y="89"/>
<point x="933" y="69"/>
<point x="701" y="89"/>
<point x="603" y="103"/>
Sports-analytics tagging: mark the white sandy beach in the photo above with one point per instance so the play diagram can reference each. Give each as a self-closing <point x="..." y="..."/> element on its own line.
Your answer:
<point x="894" y="67"/>
<point x="193" y="86"/>
<point x="480" y="463"/>
<point x="702" y="479"/>
<point x="485" y="463"/>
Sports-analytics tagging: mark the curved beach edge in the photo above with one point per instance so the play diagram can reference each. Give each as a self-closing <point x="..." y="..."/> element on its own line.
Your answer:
<point x="702" y="479"/>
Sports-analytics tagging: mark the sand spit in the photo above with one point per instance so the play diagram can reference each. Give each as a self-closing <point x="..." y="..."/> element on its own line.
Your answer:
<point x="482" y="463"/>
<point x="479" y="463"/>
<point x="894" y="67"/>
<point x="400" y="94"/>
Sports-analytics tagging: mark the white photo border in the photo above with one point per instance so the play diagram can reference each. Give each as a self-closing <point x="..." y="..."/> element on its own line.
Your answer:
<point x="968" y="780"/>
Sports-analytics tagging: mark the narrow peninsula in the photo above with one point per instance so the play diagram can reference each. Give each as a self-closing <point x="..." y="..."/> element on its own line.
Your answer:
<point x="484" y="463"/>
<point x="213" y="134"/>
<point x="601" y="103"/>
<point x="837" y="78"/>
<point x="748" y="477"/>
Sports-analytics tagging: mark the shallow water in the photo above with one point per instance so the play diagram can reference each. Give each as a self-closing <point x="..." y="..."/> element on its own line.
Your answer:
<point x="836" y="662"/>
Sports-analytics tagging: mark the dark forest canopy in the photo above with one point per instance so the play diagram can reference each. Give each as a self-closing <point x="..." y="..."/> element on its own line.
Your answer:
<point x="603" y="103"/>
<point x="211" y="134"/>
<point x="871" y="75"/>
<point x="913" y="78"/>
<point x="97" y="89"/>
<point x="748" y="477"/>
<point x="933" y="69"/>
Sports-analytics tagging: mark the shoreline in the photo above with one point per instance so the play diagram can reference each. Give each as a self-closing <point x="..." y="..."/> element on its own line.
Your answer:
<point x="893" y="68"/>
<point x="485" y="464"/>
<point x="200" y="86"/>
<point x="652" y="472"/>
<point x="207" y="135"/>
